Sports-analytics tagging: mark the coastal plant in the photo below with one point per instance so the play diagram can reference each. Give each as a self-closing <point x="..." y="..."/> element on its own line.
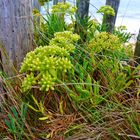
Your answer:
<point x="82" y="81"/>
<point x="42" y="2"/>
<point x="101" y="64"/>
<point x="108" y="55"/>
<point x="52" y="22"/>
<point x="64" y="9"/>
<point x="48" y="26"/>
<point x="108" y="44"/>
<point x="16" y="122"/>
<point x="91" y="86"/>
<point x="122" y="34"/>
<point x="46" y="65"/>
<point x="83" y="26"/>
<point x="106" y="10"/>
<point x="93" y="29"/>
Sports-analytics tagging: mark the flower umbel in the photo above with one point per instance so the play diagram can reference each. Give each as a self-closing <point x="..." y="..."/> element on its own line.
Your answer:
<point x="45" y="64"/>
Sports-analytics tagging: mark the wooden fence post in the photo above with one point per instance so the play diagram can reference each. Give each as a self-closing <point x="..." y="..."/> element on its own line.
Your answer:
<point x="109" y="21"/>
<point x="137" y="50"/>
<point x="15" y="32"/>
<point x="82" y="18"/>
<point x="83" y="8"/>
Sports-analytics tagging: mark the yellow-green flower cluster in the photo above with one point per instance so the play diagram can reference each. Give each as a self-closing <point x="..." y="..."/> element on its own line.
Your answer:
<point x="65" y="40"/>
<point x="35" y="11"/>
<point x="68" y="35"/>
<point x="47" y="82"/>
<point x="104" y="41"/>
<point x="106" y="10"/>
<point x="28" y="82"/>
<point x="43" y="58"/>
<point x="122" y="28"/>
<point x="44" y="64"/>
<point x="64" y="8"/>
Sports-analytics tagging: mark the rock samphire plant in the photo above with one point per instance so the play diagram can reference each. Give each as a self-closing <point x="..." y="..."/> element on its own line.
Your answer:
<point x="46" y="65"/>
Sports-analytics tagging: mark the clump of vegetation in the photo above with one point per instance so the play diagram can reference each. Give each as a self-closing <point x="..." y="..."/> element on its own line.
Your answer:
<point x="122" y="33"/>
<point x="104" y="41"/>
<point x="42" y="2"/>
<point x="73" y="87"/>
<point x="110" y="45"/>
<point x="53" y="22"/>
<point x="106" y="10"/>
<point x="16" y="121"/>
<point x="45" y="65"/>
<point x="64" y="8"/>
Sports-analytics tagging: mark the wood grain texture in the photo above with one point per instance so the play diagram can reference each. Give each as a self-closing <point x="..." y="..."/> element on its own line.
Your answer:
<point x="109" y="20"/>
<point x="15" y="32"/>
<point x="83" y="8"/>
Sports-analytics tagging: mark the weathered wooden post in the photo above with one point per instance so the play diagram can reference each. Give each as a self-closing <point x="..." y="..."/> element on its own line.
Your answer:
<point x="82" y="8"/>
<point x="82" y="17"/>
<point x="15" y="32"/>
<point x="109" y="21"/>
<point x="137" y="50"/>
